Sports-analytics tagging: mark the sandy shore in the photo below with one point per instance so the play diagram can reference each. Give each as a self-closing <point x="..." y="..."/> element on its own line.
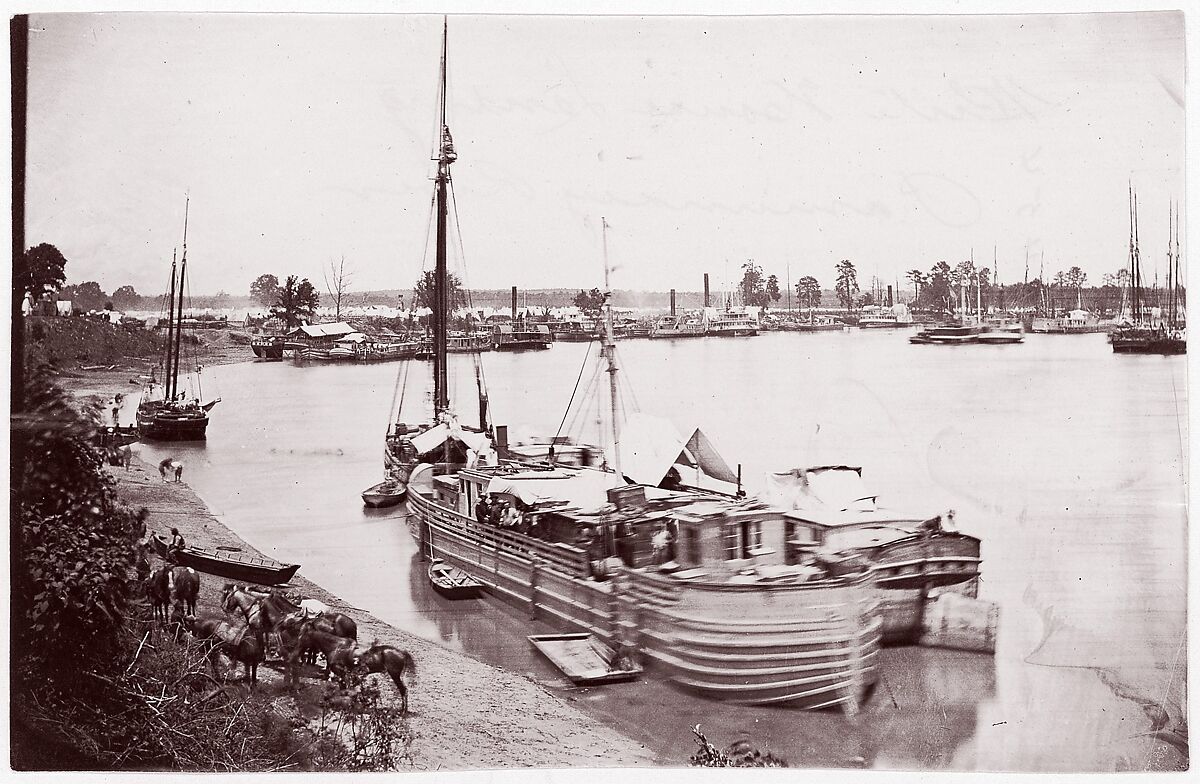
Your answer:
<point x="463" y="714"/>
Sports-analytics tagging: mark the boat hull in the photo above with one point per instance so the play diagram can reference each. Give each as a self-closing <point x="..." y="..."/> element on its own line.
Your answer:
<point x="383" y="495"/>
<point x="158" y="425"/>
<point x="242" y="568"/>
<point x="808" y="645"/>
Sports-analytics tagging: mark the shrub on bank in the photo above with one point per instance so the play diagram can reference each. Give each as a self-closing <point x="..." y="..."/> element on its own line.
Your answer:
<point x="95" y="686"/>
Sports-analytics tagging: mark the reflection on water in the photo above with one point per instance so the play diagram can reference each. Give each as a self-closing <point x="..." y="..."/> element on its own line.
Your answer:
<point x="1066" y="460"/>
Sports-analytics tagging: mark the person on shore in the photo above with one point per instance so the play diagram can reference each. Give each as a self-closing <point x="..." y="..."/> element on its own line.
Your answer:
<point x="126" y="457"/>
<point x="177" y="544"/>
<point x="166" y="465"/>
<point x="178" y="472"/>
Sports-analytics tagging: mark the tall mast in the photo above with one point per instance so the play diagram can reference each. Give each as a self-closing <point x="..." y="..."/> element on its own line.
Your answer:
<point x="179" y="310"/>
<point x="1135" y="271"/>
<point x="170" y="331"/>
<point x="445" y="156"/>
<point x="610" y="352"/>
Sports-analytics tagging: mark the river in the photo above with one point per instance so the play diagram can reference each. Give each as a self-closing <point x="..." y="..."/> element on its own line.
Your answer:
<point x="1068" y="461"/>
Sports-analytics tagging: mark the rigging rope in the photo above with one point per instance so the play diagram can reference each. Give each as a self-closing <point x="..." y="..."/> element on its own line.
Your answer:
<point x="567" y="410"/>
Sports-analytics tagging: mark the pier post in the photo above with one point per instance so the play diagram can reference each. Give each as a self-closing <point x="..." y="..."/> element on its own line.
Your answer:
<point x="533" y="588"/>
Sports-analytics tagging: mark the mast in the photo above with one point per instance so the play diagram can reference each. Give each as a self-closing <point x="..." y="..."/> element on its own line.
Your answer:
<point x="610" y="352"/>
<point x="179" y="309"/>
<point x="1135" y="271"/>
<point x="446" y="156"/>
<point x="170" y="331"/>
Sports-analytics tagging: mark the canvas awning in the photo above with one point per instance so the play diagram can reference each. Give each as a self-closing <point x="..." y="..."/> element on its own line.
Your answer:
<point x="585" y="490"/>
<point x="651" y="446"/>
<point x="436" y="436"/>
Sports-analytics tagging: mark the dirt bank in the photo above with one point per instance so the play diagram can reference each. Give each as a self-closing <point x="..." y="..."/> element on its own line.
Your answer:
<point x="463" y="714"/>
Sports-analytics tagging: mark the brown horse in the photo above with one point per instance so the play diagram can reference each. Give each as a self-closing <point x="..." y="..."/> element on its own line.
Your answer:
<point x="270" y="610"/>
<point x="310" y="636"/>
<point x="173" y="585"/>
<point x="241" y="643"/>
<point x="378" y="658"/>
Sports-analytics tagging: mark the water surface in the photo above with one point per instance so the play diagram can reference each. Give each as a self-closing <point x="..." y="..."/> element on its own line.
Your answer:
<point x="1069" y="462"/>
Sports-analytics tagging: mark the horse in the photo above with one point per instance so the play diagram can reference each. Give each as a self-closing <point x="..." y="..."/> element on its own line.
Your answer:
<point x="309" y="635"/>
<point x="379" y="658"/>
<point x="241" y="643"/>
<point x="273" y="606"/>
<point x="173" y="585"/>
<point x="269" y="611"/>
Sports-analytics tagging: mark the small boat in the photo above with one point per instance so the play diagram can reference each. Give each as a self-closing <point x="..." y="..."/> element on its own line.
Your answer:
<point x="389" y="492"/>
<point x="229" y="563"/>
<point x="585" y="660"/>
<point x="452" y="582"/>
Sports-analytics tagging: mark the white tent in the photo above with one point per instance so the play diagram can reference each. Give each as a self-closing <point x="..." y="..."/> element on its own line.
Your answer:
<point x="651" y="446"/>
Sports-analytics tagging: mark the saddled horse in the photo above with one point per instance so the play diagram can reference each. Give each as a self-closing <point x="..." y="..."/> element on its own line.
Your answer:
<point x="173" y="585"/>
<point x="267" y="611"/>
<point x="378" y="658"/>
<point x="240" y="642"/>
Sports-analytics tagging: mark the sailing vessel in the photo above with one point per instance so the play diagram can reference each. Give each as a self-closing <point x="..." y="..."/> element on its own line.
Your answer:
<point x="169" y="411"/>
<point x="1141" y="334"/>
<point x="710" y="600"/>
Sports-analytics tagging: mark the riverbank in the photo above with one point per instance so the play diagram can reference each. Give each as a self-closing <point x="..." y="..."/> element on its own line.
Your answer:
<point x="464" y="714"/>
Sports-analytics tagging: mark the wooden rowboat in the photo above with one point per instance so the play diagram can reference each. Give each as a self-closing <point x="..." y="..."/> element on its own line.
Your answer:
<point x="452" y="582"/>
<point x="584" y="659"/>
<point x="387" y="493"/>
<point x="238" y="566"/>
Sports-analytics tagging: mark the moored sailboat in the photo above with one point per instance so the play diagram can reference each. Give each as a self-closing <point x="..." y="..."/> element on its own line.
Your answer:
<point x="1142" y="334"/>
<point x="167" y="411"/>
<point x="719" y="610"/>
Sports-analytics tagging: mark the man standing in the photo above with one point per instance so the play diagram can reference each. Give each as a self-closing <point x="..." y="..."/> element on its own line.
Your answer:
<point x="482" y="508"/>
<point x="178" y="472"/>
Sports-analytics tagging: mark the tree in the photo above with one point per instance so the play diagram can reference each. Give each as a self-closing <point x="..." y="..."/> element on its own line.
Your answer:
<point x="265" y="290"/>
<point x="84" y="296"/>
<point x="297" y="301"/>
<point x="125" y="297"/>
<point x="39" y="271"/>
<point x="772" y="291"/>
<point x="752" y="287"/>
<point x="918" y="280"/>
<point x="808" y="292"/>
<point x="423" y="291"/>
<point x="847" y="283"/>
<point x="589" y="302"/>
<point x="337" y="283"/>
<point x="936" y="292"/>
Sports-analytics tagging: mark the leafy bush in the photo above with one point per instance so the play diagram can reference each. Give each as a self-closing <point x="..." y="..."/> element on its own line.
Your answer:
<point x="740" y="754"/>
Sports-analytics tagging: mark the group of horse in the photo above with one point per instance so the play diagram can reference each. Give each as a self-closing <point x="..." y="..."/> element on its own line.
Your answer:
<point x="303" y="628"/>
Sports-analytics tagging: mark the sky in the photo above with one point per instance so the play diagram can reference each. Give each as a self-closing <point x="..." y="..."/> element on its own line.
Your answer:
<point x="793" y="141"/>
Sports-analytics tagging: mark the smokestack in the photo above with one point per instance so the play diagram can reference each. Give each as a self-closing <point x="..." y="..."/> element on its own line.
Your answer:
<point x="672" y="302"/>
<point x="706" y="289"/>
<point x="514" y="303"/>
<point x="890" y="302"/>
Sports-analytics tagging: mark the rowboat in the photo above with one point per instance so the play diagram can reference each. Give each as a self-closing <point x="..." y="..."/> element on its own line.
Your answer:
<point x="584" y="659"/>
<point x="452" y="582"/>
<point x="389" y="492"/>
<point x="229" y="563"/>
